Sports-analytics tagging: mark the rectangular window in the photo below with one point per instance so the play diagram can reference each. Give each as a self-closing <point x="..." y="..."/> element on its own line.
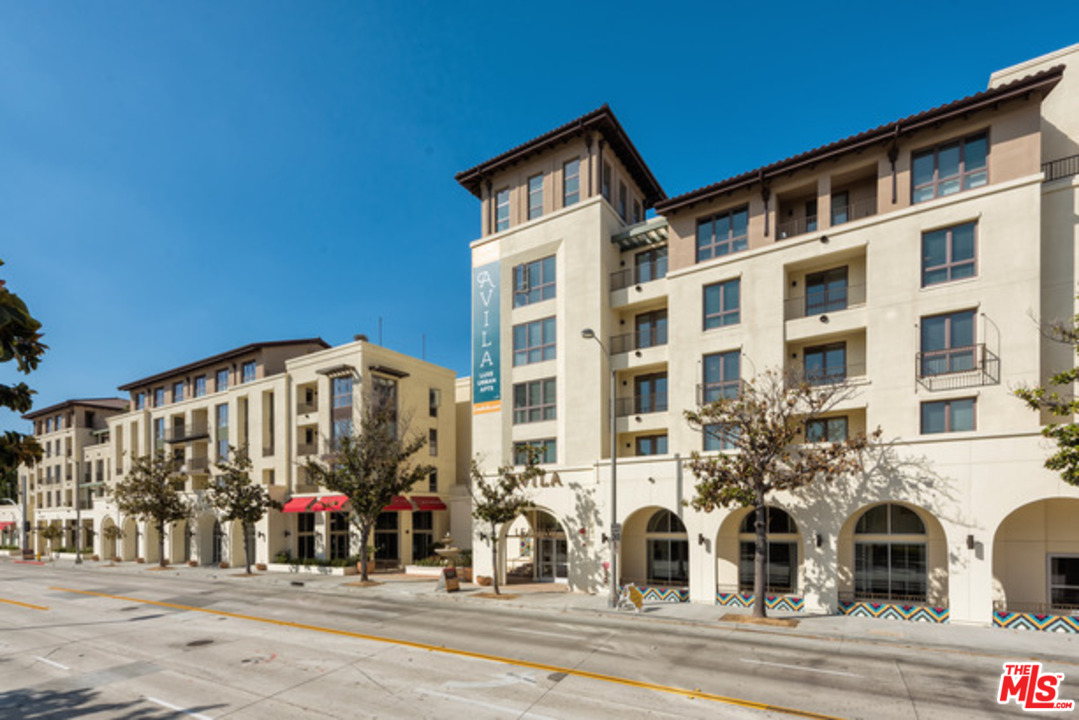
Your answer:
<point x="947" y="344"/>
<point x="140" y="401"/>
<point x="248" y="372"/>
<point x="840" y="207"/>
<point x="652" y="445"/>
<point x="890" y="571"/>
<point x="502" y="210"/>
<point x="722" y="234"/>
<point x="826" y="364"/>
<point x="385" y="396"/>
<point x="649" y="265"/>
<point x="177" y="392"/>
<point x="571" y="182"/>
<point x="622" y="200"/>
<point x="432" y="481"/>
<point x="305" y="536"/>
<point x="535" y="196"/>
<point x="342" y="392"/>
<point x="945" y="416"/>
<point x="221" y="414"/>
<point x="434" y="401"/>
<point x="534" y="342"/>
<point x="719" y="436"/>
<point x="651" y="329"/>
<point x="636" y="212"/>
<point x="948" y="254"/>
<point x="59" y="422"/>
<point x="200" y="386"/>
<point x="607" y="181"/>
<point x="650" y="393"/>
<point x="159" y="397"/>
<point x="534" y="401"/>
<point x="48" y="423"/>
<point x="721" y="376"/>
<point x="1064" y="581"/>
<point x="547" y="449"/>
<point x="949" y="168"/>
<point x="340" y="428"/>
<point x="222" y="383"/>
<point x="826" y="291"/>
<point x="811" y="215"/>
<point x="432" y="442"/>
<point x="721" y="304"/>
<point x="534" y="281"/>
<point x="781" y="566"/>
<point x="159" y="434"/>
<point x="833" y="429"/>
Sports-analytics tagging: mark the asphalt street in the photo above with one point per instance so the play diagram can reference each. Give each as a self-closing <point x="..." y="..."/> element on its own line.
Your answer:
<point x="99" y="645"/>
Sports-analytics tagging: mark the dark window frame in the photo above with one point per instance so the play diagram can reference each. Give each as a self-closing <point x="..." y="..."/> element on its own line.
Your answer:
<point x="502" y="202"/>
<point x="535" y="193"/>
<point x="950" y="263"/>
<point x="525" y="292"/>
<point x="721" y="387"/>
<point x="522" y="354"/>
<point x="728" y="245"/>
<point x="826" y="434"/>
<point x="653" y="440"/>
<point x="722" y="318"/>
<point x="948" y="414"/>
<point x="571" y="196"/>
<point x="963" y="176"/>
<point x="956" y="358"/>
<point x="548" y="454"/>
<point x="537" y="406"/>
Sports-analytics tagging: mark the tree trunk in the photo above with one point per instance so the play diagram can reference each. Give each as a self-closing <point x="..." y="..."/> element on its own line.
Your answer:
<point x="247" y="546"/>
<point x="494" y="559"/>
<point x="161" y="545"/>
<point x="760" y="559"/>
<point x="364" y="541"/>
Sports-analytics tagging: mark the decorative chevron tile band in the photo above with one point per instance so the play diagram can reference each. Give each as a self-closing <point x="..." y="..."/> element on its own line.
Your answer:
<point x="789" y="603"/>
<point x="653" y="593"/>
<point x="1034" y="621"/>
<point x="891" y="611"/>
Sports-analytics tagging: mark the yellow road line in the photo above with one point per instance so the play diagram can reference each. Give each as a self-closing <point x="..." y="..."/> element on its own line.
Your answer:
<point x="22" y="604"/>
<point x="694" y="694"/>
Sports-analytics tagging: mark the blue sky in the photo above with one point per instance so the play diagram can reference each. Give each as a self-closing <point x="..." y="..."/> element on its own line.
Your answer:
<point x="178" y="179"/>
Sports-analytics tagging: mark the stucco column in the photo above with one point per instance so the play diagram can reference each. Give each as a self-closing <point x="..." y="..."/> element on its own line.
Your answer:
<point x="970" y="578"/>
<point x="820" y="580"/>
<point x="824" y="202"/>
<point x="702" y="559"/>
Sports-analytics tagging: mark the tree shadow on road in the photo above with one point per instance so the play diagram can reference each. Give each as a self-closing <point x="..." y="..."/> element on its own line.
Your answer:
<point x="41" y="704"/>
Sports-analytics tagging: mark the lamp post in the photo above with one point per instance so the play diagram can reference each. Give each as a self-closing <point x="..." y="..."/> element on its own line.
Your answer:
<point x="616" y="529"/>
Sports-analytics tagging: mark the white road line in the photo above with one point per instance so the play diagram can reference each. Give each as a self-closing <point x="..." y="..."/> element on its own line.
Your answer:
<point x="50" y="662"/>
<point x="479" y="703"/>
<point x="178" y="709"/>
<point x="800" y="667"/>
<point x="543" y="632"/>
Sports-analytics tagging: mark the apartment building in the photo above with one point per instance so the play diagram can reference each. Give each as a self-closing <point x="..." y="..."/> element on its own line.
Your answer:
<point x="887" y="260"/>
<point x="285" y="402"/>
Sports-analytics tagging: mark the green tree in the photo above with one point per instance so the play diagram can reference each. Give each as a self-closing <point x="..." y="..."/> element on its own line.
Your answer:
<point x="1057" y="398"/>
<point x="764" y="425"/>
<point x="20" y="340"/>
<point x="501" y="499"/>
<point x="370" y="467"/>
<point x="152" y="492"/>
<point x="238" y="498"/>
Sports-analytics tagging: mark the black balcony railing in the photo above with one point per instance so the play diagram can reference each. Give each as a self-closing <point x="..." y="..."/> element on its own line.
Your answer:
<point x="830" y="375"/>
<point x="853" y="211"/>
<point x="796" y="226"/>
<point x="306" y="407"/>
<point x="1062" y="168"/>
<point x="184" y="433"/>
<point x="710" y="392"/>
<point x="306" y="449"/>
<point x="640" y="405"/>
<point x="640" y="274"/>
<point x="824" y="301"/>
<point x="639" y="340"/>
<point x="197" y="465"/>
<point x="959" y="367"/>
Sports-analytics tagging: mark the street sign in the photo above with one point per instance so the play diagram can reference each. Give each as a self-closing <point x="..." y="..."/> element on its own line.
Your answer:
<point x="616" y="532"/>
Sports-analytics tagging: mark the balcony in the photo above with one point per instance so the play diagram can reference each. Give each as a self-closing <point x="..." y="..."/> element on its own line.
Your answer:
<point x="185" y="433"/>
<point x="197" y="466"/>
<point x="652" y="337"/>
<point x="304" y="449"/>
<point x="639" y="274"/>
<point x="640" y="405"/>
<point x="306" y="407"/>
<point x="797" y="226"/>
<point x="956" y="368"/>
<point x="1061" y="168"/>
<point x="853" y="211"/>
<point x="827" y="300"/>
<point x="829" y="375"/>
<point x="710" y="392"/>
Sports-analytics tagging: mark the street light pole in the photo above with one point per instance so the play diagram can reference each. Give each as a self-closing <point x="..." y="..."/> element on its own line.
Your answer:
<point x="616" y="529"/>
<point x="78" y="514"/>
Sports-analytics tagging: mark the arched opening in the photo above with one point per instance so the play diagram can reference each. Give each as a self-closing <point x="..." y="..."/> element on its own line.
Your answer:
<point x="535" y="548"/>
<point x="781" y="552"/>
<point x="217" y="548"/>
<point x="666" y="550"/>
<point x="131" y="540"/>
<point x="1036" y="559"/>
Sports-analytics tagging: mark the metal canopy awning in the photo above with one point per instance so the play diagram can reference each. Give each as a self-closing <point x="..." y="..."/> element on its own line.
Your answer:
<point x="338" y="371"/>
<point x="645" y="234"/>
<point x="300" y="504"/>
<point x="387" y="370"/>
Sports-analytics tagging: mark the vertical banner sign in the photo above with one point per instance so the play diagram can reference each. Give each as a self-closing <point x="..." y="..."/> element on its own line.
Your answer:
<point x="486" y="348"/>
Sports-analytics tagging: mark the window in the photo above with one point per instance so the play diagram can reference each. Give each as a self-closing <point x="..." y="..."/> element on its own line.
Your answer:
<point x="222" y="383"/>
<point x="571" y="182"/>
<point x="140" y="400"/>
<point x="535" y="196"/>
<point x="720" y="436"/>
<point x="826" y="291"/>
<point x="781" y="552"/>
<point x="534" y="281"/>
<point x="811" y="215"/>
<point x="650" y="393"/>
<point x="622" y="200"/>
<point x="607" y="181"/>
<point x="840" y="207"/>
<point x="200" y="386"/>
<point x="432" y="481"/>
<point x="826" y="364"/>
<point x="722" y="234"/>
<point x="305" y="535"/>
<point x="721" y="376"/>
<point x="947" y="343"/>
<point x="652" y="445"/>
<point x="340" y="410"/>
<point x="159" y="397"/>
<point x="946" y="416"/>
<point x="502" y="210"/>
<point x="649" y="265"/>
<point x="159" y="433"/>
<point x="949" y="168"/>
<point x="339" y="532"/>
<point x="432" y="442"/>
<point x="434" y="400"/>
<point x="177" y="392"/>
<point x="948" y="254"/>
<point x="833" y="429"/>
<point x="721" y="304"/>
<point x="651" y="329"/>
<point x="342" y="392"/>
<point x="636" y="212"/>
<point x="59" y="422"/>
<point x="340" y="428"/>
<point x="48" y="425"/>
<point x="534" y="401"/>
<point x="248" y="372"/>
<point x="387" y="539"/>
<point x="667" y="549"/>
<point x="1064" y="581"/>
<point x="547" y="450"/>
<point x="891" y="566"/>
<point x="423" y="534"/>
<point x="221" y="413"/>
<point x="534" y="341"/>
<point x="385" y="396"/>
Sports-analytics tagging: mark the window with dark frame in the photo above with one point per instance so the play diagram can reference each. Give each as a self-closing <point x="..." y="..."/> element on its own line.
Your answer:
<point x="947" y="343"/>
<point x="534" y="281"/>
<point x="948" y="254"/>
<point x="547" y="449"/>
<point x="222" y="382"/>
<point x="949" y="168"/>
<point x="946" y="416"/>
<point x="722" y="304"/>
<point x="650" y="393"/>
<point x="432" y="481"/>
<point x="825" y="364"/>
<point x="667" y="550"/>
<point x="722" y="376"/>
<point x="651" y="445"/>
<point x="826" y="291"/>
<point x="221" y="413"/>
<point x="200" y="386"/>
<point x="534" y="341"/>
<point x="432" y="442"/>
<point x="159" y="397"/>
<point x="719" y="436"/>
<point x="140" y="403"/>
<point x="502" y="210"/>
<point x="534" y="401"/>
<point x="1064" y="581"/>
<point x="781" y="552"/>
<point x="607" y="181"/>
<point x="247" y="372"/>
<point x="832" y="429"/>
<point x="571" y="182"/>
<point x="892" y="566"/>
<point x="722" y="234"/>
<point x="636" y="211"/>
<point x="840" y="207"/>
<point x="535" y="196"/>
<point x="434" y="401"/>
<point x="622" y="200"/>
<point x="649" y="265"/>
<point x="651" y="329"/>
<point x="178" y="392"/>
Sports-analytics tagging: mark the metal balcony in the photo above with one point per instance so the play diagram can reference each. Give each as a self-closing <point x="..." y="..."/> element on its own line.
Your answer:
<point x="185" y="433"/>
<point x="639" y="340"/>
<point x="955" y="368"/>
<point x="639" y="274"/>
<point x="826" y="301"/>
<point x="640" y="405"/>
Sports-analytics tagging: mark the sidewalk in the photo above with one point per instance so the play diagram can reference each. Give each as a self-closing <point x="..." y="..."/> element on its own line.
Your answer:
<point x="547" y="598"/>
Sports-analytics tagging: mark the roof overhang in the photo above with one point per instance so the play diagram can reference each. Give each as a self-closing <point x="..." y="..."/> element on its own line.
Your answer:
<point x="651" y="232"/>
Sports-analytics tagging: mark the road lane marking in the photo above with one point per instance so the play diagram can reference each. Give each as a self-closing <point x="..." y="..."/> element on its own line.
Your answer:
<point x="50" y="662"/>
<point x="22" y="604"/>
<point x="564" y="636"/>
<point x="799" y="667"/>
<point x="515" y="712"/>
<point x="177" y="708"/>
<point x="613" y="679"/>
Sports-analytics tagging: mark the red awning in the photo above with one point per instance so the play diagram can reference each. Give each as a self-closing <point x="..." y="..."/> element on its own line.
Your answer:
<point x="333" y="503"/>
<point x="300" y="504"/>
<point x="5" y="525"/>
<point x="428" y="502"/>
<point x="400" y="503"/>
